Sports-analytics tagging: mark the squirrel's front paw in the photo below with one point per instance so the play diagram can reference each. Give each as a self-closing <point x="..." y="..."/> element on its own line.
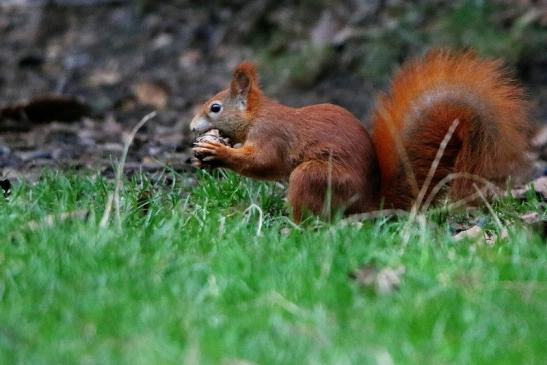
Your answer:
<point x="210" y="153"/>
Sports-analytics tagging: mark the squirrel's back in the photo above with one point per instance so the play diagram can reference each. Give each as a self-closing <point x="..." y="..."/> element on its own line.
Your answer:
<point x="427" y="96"/>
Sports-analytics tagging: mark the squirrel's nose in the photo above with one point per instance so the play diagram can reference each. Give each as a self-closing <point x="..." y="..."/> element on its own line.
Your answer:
<point x="199" y="125"/>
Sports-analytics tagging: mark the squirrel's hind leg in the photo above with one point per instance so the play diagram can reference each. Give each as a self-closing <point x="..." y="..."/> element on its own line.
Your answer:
<point x="322" y="188"/>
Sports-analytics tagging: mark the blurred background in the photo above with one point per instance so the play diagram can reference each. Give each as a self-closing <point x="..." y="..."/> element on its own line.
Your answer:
<point x="76" y="74"/>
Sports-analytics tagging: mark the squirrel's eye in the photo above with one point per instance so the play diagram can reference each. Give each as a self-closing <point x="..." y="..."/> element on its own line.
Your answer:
<point x="216" y="107"/>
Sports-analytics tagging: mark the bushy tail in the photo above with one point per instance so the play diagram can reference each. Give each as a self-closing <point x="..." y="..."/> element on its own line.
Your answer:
<point x="491" y="139"/>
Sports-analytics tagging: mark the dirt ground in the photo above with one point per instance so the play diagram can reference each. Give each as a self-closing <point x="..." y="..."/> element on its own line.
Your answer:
<point x="109" y="63"/>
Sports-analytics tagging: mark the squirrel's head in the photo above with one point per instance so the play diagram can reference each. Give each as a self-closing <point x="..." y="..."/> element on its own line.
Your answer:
<point x="231" y="110"/>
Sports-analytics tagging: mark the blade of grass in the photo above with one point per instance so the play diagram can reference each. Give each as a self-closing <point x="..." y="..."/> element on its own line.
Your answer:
<point x="118" y="180"/>
<point x="434" y="165"/>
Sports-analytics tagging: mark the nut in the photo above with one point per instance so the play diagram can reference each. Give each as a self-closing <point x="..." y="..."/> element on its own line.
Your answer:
<point x="212" y="135"/>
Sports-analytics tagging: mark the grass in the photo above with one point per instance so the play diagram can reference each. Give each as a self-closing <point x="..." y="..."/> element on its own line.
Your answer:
<point x="187" y="280"/>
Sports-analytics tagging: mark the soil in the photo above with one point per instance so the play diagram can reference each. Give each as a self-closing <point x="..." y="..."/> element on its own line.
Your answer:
<point x="77" y="75"/>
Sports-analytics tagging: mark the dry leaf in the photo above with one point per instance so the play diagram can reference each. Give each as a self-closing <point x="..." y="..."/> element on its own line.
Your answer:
<point x="51" y="219"/>
<point x="103" y="77"/>
<point x="151" y="94"/>
<point x="285" y="231"/>
<point x="382" y="281"/>
<point x="536" y="222"/>
<point x="540" y="186"/>
<point x="530" y="218"/>
<point x="189" y="59"/>
<point x="471" y="233"/>
<point x="162" y="40"/>
<point x="540" y="139"/>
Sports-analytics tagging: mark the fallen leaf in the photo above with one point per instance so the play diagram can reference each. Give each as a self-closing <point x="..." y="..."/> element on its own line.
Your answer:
<point x="162" y="40"/>
<point x="285" y="231"/>
<point x="530" y="218"/>
<point x="51" y="219"/>
<point x="540" y="139"/>
<point x="104" y="77"/>
<point x="189" y="59"/>
<point x="389" y="279"/>
<point x="471" y="233"/>
<point x="151" y="94"/>
<point x="383" y="281"/>
<point x="535" y="222"/>
<point x="539" y="185"/>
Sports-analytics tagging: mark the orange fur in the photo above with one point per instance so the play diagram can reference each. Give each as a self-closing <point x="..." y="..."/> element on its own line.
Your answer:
<point x="427" y="95"/>
<point x="316" y="148"/>
<point x="331" y="162"/>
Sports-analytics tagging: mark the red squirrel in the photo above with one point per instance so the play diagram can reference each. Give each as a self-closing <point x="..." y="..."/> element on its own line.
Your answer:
<point x="331" y="161"/>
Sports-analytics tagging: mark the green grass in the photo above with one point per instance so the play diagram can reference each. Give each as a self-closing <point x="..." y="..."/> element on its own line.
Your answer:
<point x="186" y="280"/>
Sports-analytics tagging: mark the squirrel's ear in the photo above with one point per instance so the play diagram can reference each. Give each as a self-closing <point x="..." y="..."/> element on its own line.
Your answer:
<point x="244" y="82"/>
